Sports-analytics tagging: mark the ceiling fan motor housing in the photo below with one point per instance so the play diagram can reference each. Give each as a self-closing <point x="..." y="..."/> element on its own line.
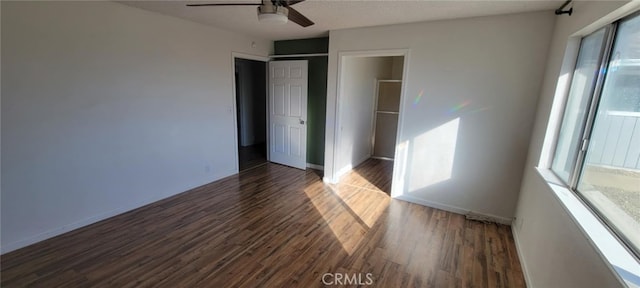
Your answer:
<point x="273" y="13"/>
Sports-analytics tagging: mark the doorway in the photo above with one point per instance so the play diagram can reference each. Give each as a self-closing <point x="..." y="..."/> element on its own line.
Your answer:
<point x="369" y="101"/>
<point x="368" y="117"/>
<point x="251" y="112"/>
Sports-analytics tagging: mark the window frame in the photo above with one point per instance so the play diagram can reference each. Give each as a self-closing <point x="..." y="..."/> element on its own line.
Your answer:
<point x="586" y="127"/>
<point x="594" y="101"/>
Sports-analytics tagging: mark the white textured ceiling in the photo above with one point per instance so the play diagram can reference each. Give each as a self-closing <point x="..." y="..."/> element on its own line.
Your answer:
<point x="334" y="15"/>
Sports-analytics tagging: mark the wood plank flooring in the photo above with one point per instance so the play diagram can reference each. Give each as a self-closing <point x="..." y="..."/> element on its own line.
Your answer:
<point x="373" y="174"/>
<point x="252" y="156"/>
<point x="274" y="226"/>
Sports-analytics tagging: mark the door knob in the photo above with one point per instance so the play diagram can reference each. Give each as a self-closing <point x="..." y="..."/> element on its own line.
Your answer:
<point x="301" y="122"/>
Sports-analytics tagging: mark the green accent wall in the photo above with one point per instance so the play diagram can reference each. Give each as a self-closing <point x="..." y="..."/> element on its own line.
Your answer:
<point x="317" y="90"/>
<point x="301" y="46"/>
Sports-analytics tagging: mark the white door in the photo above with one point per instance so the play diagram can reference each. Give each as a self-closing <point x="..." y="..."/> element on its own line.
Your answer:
<point x="288" y="113"/>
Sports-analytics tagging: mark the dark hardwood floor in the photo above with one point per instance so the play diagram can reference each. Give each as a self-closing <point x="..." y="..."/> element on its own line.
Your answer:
<point x="373" y="174"/>
<point x="252" y="156"/>
<point x="274" y="226"/>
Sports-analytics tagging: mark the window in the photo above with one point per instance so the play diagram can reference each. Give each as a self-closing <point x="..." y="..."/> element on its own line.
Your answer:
<point x="598" y="148"/>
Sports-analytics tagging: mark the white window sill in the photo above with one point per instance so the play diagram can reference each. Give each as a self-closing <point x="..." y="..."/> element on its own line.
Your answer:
<point x="620" y="260"/>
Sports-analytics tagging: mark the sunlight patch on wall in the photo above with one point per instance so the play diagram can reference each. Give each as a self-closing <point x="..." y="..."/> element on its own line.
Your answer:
<point x="555" y="116"/>
<point x="433" y="155"/>
<point x="399" y="169"/>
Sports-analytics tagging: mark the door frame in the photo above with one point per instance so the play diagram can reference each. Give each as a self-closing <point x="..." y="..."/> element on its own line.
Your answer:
<point x="333" y="175"/>
<point x="234" y="56"/>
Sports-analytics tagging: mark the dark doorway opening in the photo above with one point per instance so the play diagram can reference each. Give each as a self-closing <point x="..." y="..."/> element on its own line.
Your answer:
<point x="251" y="105"/>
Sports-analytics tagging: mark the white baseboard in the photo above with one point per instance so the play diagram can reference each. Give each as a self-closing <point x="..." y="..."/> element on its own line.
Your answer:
<point x="350" y="167"/>
<point x="328" y="180"/>
<point x="315" y="166"/>
<point x="343" y="171"/>
<point x="362" y="159"/>
<point x="454" y="209"/>
<point x="525" y="271"/>
<point x="5" y="248"/>
<point x="73" y="226"/>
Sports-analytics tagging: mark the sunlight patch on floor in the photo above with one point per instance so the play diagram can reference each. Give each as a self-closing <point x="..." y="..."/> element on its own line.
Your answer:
<point x="349" y="211"/>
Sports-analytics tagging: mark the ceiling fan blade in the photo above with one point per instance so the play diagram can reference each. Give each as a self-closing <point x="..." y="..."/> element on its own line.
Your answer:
<point x="224" y="4"/>
<point x="298" y="18"/>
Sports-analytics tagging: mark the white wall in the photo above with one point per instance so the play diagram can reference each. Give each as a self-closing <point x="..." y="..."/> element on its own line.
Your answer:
<point x="468" y="106"/>
<point x="359" y="78"/>
<point x="553" y="249"/>
<point x="106" y="108"/>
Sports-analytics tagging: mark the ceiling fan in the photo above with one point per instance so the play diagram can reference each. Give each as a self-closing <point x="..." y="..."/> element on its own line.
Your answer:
<point x="276" y="11"/>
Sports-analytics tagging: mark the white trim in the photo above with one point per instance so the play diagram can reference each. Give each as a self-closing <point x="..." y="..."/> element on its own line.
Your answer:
<point x="454" y="209"/>
<point x="234" y="112"/>
<point x="343" y="171"/>
<point x="397" y="184"/>
<point x="624" y="113"/>
<point x="373" y="116"/>
<point x="382" y="158"/>
<point x="300" y="55"/>
<point x="361" y="160"/>
<point x="375" y="53"/>
<point x="267" y="107"/>
<point x="525" y="270"/>
<point x="250" y="57"/>
<point x="315" y="166"/>
<point x="333" y="176"/>
<point x="326" y="179"/>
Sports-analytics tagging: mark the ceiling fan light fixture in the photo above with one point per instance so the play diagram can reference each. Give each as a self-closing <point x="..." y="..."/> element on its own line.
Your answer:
<point x="273" y="14"/>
